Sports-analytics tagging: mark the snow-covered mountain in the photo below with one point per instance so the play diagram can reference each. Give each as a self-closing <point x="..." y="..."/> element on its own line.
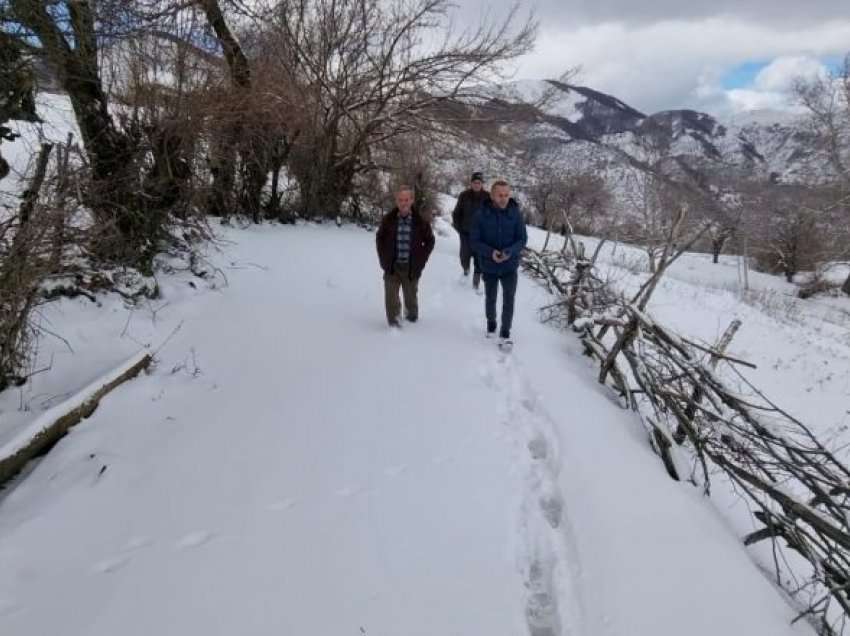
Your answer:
<point x="572" y="124"/>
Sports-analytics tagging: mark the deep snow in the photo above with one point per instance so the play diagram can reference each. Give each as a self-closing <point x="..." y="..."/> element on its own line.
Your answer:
<point x="291" y="466"/>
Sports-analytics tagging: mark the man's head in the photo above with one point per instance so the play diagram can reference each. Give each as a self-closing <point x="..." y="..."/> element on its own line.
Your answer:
<point x="500" y="193"/>
<point x="404" y="199"/>
<point x="477" y="181"/>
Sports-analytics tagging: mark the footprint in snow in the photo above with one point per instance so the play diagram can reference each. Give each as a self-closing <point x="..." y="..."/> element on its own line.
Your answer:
<point x="194" y="540"/>
<point x="112" y="564"/>
<point x="529" y="405"/>
<point x="538" y="447"/>
<point x="552" y="508"/>
<point x="394" y="471"/>
<point x="282" y="505"/>
<point x="137" y="543"/>
<point x="349" y="491"/>
<point x="8" y="606"/>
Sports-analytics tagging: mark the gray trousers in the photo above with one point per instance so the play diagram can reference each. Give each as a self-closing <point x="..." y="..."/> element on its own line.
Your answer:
<point x="400" y="279"/>
<point x="466" y="253"/>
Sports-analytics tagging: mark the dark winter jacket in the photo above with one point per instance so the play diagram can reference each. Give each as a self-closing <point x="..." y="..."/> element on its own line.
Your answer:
<point x="421" y="242"/>
<point x="496" y="229"/>
<point x="467" y="206"/>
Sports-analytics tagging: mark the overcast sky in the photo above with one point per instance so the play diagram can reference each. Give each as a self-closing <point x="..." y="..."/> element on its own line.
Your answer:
<point x="722" y="55"/>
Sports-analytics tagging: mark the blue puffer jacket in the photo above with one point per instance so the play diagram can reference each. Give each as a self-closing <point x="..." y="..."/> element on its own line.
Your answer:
<point x="496" y="229"/>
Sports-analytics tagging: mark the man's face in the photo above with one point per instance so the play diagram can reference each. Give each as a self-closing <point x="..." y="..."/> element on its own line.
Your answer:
<point x="477" y="185"/>
<point x="501" y="195"/>
<point x="404" y="201"/>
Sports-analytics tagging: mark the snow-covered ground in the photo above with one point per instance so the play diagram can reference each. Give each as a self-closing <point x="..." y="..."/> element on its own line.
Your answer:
<point x="801" y="347"/>
<point x="58" y="121"/>
<point x="292" y="466"/>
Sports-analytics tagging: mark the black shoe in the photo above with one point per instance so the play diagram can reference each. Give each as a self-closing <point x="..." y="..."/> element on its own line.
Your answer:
<point x="466" y="272"/>
<point x="412" y="318"/>
<point x="491" y="329"/>
<point x="395" y="323"/>
<point x="476" y="280"/>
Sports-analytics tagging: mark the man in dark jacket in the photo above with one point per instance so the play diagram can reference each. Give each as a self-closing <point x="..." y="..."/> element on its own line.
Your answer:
<point x="468" y="204"/>
<point x="405" y="241"/>
<point x="498" y="238"/>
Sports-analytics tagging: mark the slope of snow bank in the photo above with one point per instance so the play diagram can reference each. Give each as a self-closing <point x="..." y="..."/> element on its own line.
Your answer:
<point x="48" y="417"/>
<point x="294" y="467"/>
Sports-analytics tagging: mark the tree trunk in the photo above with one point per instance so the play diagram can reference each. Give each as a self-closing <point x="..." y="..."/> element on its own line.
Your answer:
<point x="237" y="143"/>
<point x="273" y="205"/>
<point x="253" y="182"/>
<point x="717" y="247"/>
<point x="548" y="234"/>
<point x="113" y="193"/>
<point x="324" y="188"/>
<point x="223" y="171"/>
<point x="166" y="178"/>
<point x="30" y="195"/>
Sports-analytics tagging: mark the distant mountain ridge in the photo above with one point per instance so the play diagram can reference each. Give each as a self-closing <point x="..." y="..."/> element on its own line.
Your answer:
<point x="769" y="145"/>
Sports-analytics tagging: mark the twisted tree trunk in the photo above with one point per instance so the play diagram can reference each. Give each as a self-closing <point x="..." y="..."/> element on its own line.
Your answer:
<point x="235" y="142"/>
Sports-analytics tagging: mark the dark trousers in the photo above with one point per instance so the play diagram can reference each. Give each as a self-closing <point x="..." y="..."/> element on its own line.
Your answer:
<point x="400" y="279"/>
<point x="466" y="253"/>
<point x="491" y="291"/>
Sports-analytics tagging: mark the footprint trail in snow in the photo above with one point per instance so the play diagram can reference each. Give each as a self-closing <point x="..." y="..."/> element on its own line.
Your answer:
<point x="549" y="559"/>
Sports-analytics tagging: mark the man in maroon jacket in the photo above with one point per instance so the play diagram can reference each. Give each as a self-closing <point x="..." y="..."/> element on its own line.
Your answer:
<point x="404" y="242"/>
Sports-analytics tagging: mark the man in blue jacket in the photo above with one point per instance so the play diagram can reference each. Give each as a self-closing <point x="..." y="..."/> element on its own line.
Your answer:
<point x="498" y="237"/>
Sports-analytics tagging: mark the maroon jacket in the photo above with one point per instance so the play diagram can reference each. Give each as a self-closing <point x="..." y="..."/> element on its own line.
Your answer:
<point x="421" y="242"/>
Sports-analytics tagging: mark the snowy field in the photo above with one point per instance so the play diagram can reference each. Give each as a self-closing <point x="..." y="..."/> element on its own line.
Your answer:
<point x="801" y="347"/>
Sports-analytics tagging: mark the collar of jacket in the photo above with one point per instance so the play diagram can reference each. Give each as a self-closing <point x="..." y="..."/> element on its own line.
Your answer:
<point x="414" y="213"/>
<point x="512" y="205"/>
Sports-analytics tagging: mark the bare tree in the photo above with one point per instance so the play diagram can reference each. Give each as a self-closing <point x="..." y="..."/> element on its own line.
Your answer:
<point x="567" y="202"/>
<point x="790" y="229"/>
<point x="23" y="267"/>
<point x="363" y="72"/>
<point x="68" y="34"/>
<point x="825" y="99"/>
<point x="652" y="215"/>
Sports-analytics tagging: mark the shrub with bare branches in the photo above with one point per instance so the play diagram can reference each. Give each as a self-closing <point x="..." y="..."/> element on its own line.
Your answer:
<point x="362" y="73"/>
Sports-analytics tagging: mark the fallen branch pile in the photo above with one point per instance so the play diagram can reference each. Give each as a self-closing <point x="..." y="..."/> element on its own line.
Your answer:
<point x="798" y="490"/>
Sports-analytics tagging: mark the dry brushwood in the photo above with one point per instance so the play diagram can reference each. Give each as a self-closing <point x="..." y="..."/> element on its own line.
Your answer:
<point x="798" y="490"/>
<point x="23" y="243"/>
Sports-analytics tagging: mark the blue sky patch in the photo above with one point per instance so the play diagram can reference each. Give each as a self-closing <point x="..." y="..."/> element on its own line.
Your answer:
<point x="743" y="75"/>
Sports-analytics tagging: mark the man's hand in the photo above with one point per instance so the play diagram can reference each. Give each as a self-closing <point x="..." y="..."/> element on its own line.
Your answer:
<point x="500" y="256"/>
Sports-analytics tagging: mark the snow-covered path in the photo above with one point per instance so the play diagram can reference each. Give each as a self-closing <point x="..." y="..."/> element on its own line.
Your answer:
<point x="320" y="474"/>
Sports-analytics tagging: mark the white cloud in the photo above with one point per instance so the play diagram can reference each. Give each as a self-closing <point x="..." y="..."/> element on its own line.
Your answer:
<point x="779" y="75"/>
<point x="680" y="63"/>
<point x="772" y="85"/>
